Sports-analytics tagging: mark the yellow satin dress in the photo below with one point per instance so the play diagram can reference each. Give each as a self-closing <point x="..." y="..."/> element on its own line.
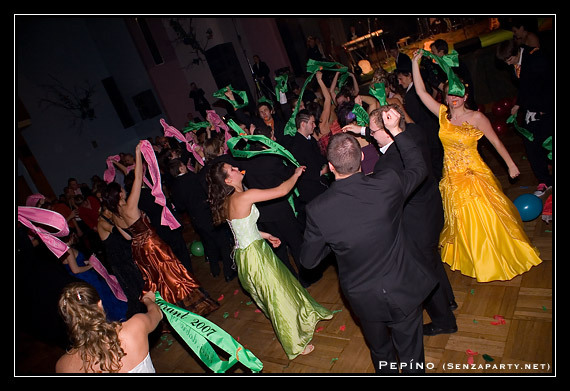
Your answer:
<point x="483" y="235"/>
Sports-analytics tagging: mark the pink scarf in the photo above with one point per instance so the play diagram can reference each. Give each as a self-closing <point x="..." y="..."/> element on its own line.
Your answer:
<point x="156" y="189"/>
<point x="190" y="141"/>
<point x="213" y="118"/>
<point x="109" y="278"/>
<point x="27" y="215"/>
<point x="33" y="199"/>
<point x="109" y="174"/>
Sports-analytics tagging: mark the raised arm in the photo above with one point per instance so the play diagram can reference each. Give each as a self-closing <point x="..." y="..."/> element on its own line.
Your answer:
<point x="426" y="98"/>
<point x="134" y="196"/>
<point x="324" y="124"/>
<point x="258" y="195"/>
<point x="415" y="167"/>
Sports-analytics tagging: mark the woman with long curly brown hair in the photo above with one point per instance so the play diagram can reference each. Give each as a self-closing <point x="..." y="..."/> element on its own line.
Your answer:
<point x="99" y="346"/>
<point x="291" y="309"/>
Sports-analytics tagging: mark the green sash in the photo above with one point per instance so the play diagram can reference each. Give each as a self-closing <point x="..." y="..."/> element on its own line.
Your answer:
<point x="221" y="94"/>
<point x="272" y="148"/>
<point x="456" y="87"/>
<point x="378" y="90"/>
<point x="199" y="333"/>
<point x="312" y="67"/>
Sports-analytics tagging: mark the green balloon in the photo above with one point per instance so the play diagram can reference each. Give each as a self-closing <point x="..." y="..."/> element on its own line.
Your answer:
<point x="197" y="249"/>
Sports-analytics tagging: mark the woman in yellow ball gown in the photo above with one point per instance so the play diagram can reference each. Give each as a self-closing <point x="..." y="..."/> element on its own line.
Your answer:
<point x="483" y="235"/>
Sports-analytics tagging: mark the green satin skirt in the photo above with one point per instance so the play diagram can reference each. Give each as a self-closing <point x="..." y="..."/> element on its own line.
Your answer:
<point x="291" y="309"/>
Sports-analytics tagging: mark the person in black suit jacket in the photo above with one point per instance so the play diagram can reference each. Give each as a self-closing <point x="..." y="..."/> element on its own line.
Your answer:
<point x="402" y="60"/>
<point x="189" y="196"/>
<point x="306" y="151"/>
<point x="423" y="216"/>
<point x="275" y="216"/>
<point x="420" y="114"/>
<point x="266" y="116"/>
<point x="535" y="100"/>
<point x="381" y="274"/>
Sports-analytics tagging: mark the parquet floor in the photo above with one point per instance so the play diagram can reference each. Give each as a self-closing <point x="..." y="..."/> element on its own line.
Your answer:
<point x="522" y="345"/>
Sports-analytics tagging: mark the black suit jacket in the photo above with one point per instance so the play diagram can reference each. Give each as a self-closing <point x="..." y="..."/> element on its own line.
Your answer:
<point x="423" y="216"/>
<point x="278" y="124"/>
<point x="421" y="115"/>
<point x="359" y="218"/>
<point x="266" y="172"/>
<point x="536" y="83"/>
<point x="189" y="196"/>
<point x="307" y="153"/>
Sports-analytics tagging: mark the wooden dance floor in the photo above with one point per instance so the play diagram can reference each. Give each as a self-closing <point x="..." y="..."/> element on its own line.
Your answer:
<point x="523" y="344"/>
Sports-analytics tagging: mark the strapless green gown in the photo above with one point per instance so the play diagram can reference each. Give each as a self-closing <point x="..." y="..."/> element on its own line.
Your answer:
<point x="291" y="309"/>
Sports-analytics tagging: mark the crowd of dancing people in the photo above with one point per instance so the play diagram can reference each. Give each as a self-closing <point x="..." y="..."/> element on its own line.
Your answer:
<point x="387" y="184"/>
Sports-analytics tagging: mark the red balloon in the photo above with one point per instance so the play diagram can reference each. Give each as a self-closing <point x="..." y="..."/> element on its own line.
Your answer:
<point x="499" y="111"/>
<point x="500" y="126"/>
<point x="507" y="103"/>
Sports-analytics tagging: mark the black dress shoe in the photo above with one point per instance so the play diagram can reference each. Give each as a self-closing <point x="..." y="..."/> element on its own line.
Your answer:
<point x="430" y="329"/>
<point x="453" y="305"/>
<point x="230" y="276"/>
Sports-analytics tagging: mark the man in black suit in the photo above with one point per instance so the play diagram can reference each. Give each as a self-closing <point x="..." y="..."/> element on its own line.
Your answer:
<point x="535" y="101"/>
<point x="420" y="114"/>
<point x="423" y="216"/>
<point x="275" y="216"/>
<point x="306" y="151"/>
<point x="189" y="196"/>
<point x="381" y="273"/>
<point x="266" y="116"/>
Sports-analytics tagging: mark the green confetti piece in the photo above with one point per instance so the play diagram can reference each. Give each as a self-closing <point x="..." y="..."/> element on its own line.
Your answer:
<point x="249" y="302"/>
<point x="472" y="291"/>
<point x="488" y="358"/>
<point x="544" y="308"/>
<point x="475" y="321"/>
<point x="335" y="311"/>
<point x="225" y="315"/>
<point x="334" y="359"/>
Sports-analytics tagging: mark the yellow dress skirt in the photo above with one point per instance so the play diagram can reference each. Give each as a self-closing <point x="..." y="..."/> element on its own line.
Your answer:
<point x="483" y="235"/>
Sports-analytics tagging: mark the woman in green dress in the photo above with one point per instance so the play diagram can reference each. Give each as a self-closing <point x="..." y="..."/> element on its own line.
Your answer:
<point x="292" y="311"/>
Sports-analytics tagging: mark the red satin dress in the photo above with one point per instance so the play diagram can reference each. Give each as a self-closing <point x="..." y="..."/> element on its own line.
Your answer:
<point x="163" y="272"/>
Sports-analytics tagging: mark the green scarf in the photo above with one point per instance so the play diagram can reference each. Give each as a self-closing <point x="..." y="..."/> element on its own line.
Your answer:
<point x="446" y="62"/>
<point x="221" y="94"/>
<point x="273" y="148"/>
<point x="378" y="90"/>
<point x="199" y="333"/>
<point x="312" y="67"/>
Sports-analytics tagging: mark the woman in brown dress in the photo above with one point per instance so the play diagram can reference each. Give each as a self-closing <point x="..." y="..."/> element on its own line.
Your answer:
<point x="160" y="268"/>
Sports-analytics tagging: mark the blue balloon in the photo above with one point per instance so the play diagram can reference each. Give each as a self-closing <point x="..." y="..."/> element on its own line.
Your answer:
<point x="529" y="206"/>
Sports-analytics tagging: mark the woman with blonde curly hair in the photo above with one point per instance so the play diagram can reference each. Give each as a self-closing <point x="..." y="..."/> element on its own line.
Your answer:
<point x="99" y="346"/>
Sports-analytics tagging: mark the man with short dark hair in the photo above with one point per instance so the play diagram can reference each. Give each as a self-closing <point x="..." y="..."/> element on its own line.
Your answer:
<point x="423" y="217"/>
<point x="535" y="102"/>
<point x="306" y="151"/>
<point x="359" y="219"/>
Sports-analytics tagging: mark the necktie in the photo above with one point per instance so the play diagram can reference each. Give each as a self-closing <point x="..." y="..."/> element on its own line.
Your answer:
<point x="518" y="70"/>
